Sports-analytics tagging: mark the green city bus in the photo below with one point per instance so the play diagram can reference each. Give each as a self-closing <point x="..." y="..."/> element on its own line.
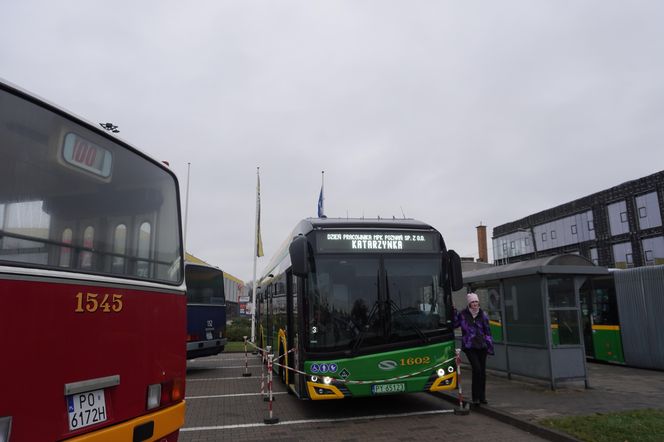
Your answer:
<point x="360" y="307"/>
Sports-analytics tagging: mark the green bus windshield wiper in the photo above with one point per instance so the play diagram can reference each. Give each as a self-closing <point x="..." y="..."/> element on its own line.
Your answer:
<point x="395" y="308"/>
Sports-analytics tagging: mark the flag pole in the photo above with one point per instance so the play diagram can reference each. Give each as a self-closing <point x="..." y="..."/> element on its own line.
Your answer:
<point x="322" y="186"/>
<point x="253" y="296"/>
<point x="186" y="209"/>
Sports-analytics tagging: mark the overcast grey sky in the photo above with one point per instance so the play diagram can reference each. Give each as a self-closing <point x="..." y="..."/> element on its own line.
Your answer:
<point x="457" y="112"/>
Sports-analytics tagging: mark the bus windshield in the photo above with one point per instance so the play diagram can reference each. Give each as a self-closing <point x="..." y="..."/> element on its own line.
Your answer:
<point x="359" y="302"/>
<point x="204" y="285"/>
<point x="74" y="200"/>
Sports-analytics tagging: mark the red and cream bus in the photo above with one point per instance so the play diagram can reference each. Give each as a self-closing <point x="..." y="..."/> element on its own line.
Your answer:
<point x="92" y="294"/>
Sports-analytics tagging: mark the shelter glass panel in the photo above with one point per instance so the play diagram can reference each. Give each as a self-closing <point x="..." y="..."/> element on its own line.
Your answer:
<point x="565" y="327"/>
<point x="524" y="317"/>
<point x="491" y="303"/>
<point x="561" y="292"/>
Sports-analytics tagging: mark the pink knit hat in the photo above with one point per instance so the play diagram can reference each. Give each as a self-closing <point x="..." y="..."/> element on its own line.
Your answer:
<point x="472" y="297"/>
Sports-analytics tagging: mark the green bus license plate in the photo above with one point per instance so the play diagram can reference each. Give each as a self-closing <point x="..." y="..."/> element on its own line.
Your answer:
<point x="388" y="388"/>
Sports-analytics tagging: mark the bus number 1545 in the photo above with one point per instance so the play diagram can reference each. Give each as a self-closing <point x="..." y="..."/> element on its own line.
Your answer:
<point x="92" y="302"/>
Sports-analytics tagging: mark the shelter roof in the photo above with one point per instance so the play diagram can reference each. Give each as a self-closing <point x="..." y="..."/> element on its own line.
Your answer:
<point x="549" y="265"/>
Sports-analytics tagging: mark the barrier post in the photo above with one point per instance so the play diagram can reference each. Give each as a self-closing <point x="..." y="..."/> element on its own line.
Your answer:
<point x="263" y="392"/>
<point x="463" y="408"/>
<point x="246" y="359"/>
<point x="270" y="419"/>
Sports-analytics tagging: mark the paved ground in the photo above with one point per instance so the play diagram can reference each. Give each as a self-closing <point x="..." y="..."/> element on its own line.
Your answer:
<point x="224" y="405"/>
<point x="525" y="402"/>
<point x="612" y="388"/>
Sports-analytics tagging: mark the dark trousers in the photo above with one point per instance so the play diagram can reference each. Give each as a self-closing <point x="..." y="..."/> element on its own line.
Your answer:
<point x="477" y="359"/>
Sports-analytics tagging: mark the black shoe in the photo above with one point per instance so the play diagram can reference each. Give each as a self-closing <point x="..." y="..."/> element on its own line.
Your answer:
<point x="483" y="401"/>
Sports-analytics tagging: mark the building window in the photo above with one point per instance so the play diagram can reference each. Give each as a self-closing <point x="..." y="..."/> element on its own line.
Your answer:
<point x="622" y="255"/>
<point x="591" y="226"/>
<point x="512" y="246"/>
<point x="504" y="247"/>
<point x="143" y="250"/>
<point x="653" y="250"/>
<point x="543" y="236"/>
<point x="649" y="211"/>
<point x="527" y="241"/>
<point x="119" y="248"/>
<point x="553" y="234"/>
<point x="618" y="218"/>
<point x="85" y="258"/>
<point x="573" y="228"/>
<point x="65" y="252"/>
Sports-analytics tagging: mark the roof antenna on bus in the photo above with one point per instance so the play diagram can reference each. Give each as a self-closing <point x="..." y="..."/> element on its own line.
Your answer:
<point x="110" y="127"/>
<point x="402" y="212"/>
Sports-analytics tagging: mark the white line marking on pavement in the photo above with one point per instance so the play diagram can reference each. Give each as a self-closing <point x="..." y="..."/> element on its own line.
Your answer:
<point x="311" y="421"/>
<point x="234" y="395"/>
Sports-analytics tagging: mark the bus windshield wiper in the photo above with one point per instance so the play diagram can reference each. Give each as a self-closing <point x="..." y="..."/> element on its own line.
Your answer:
<point x="395" y="308"/>
<point x="363" y="332"/>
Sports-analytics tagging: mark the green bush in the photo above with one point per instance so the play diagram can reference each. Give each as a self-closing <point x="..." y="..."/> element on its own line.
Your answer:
<point x="236" y="330"/>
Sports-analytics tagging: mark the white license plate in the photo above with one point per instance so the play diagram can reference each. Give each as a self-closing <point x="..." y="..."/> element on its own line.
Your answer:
<point x="208" y="335"/>
<point x="86" y="409"/>
<point x="388" y="388"/>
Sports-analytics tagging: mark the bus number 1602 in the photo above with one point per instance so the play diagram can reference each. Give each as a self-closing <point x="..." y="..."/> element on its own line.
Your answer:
<point x="92" y="302"/>
<point x="416" y="361"/>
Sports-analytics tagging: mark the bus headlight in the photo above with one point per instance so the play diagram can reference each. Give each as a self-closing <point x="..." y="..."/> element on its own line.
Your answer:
<point x="314" y="379"/>
<point x="441" y="372"/>
<point x="327" y="380"/>
<point x="5" y="428"/>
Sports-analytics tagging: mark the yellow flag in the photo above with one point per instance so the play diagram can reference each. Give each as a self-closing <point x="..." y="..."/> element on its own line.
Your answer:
<point x="259" y="240"/>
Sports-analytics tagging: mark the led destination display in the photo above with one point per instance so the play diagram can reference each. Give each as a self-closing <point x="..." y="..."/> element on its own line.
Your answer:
<point x="379" y="242"/>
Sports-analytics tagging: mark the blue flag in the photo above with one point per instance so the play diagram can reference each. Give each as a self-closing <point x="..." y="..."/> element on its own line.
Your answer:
<point x="321" y="211"/>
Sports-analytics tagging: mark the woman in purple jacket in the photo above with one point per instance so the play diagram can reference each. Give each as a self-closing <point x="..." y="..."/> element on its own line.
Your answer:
<point x="476" y="343"/>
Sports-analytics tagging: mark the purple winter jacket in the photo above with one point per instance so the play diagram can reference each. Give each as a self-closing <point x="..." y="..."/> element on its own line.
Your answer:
<point x="473" y="330"/>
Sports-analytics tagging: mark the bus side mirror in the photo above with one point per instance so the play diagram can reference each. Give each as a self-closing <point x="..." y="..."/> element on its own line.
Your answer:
<point x="456" y="275"/>
<point x="299" y="255"/>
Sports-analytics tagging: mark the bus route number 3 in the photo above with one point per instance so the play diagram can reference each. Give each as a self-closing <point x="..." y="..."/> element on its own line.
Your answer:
<point x="93" y="302"/>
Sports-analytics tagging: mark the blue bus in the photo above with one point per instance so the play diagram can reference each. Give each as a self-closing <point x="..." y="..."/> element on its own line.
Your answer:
<point x="206" y="310"/>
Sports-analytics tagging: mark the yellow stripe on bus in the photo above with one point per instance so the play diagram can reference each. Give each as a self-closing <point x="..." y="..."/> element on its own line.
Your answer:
<point x="166" y="421"/>
<point x="496" y="323"/>
<point x="606" y="327"/>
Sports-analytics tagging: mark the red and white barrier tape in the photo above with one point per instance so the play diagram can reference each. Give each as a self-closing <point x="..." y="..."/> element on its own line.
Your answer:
<point x="376" y="381"/>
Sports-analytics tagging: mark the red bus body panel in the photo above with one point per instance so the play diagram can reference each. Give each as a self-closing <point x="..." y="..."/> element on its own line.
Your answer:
<point x="46" y="344"/>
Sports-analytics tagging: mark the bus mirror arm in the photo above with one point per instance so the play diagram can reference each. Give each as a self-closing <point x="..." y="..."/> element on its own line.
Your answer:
<point x="455" y="273"/>
<point x="299" y="255"/>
